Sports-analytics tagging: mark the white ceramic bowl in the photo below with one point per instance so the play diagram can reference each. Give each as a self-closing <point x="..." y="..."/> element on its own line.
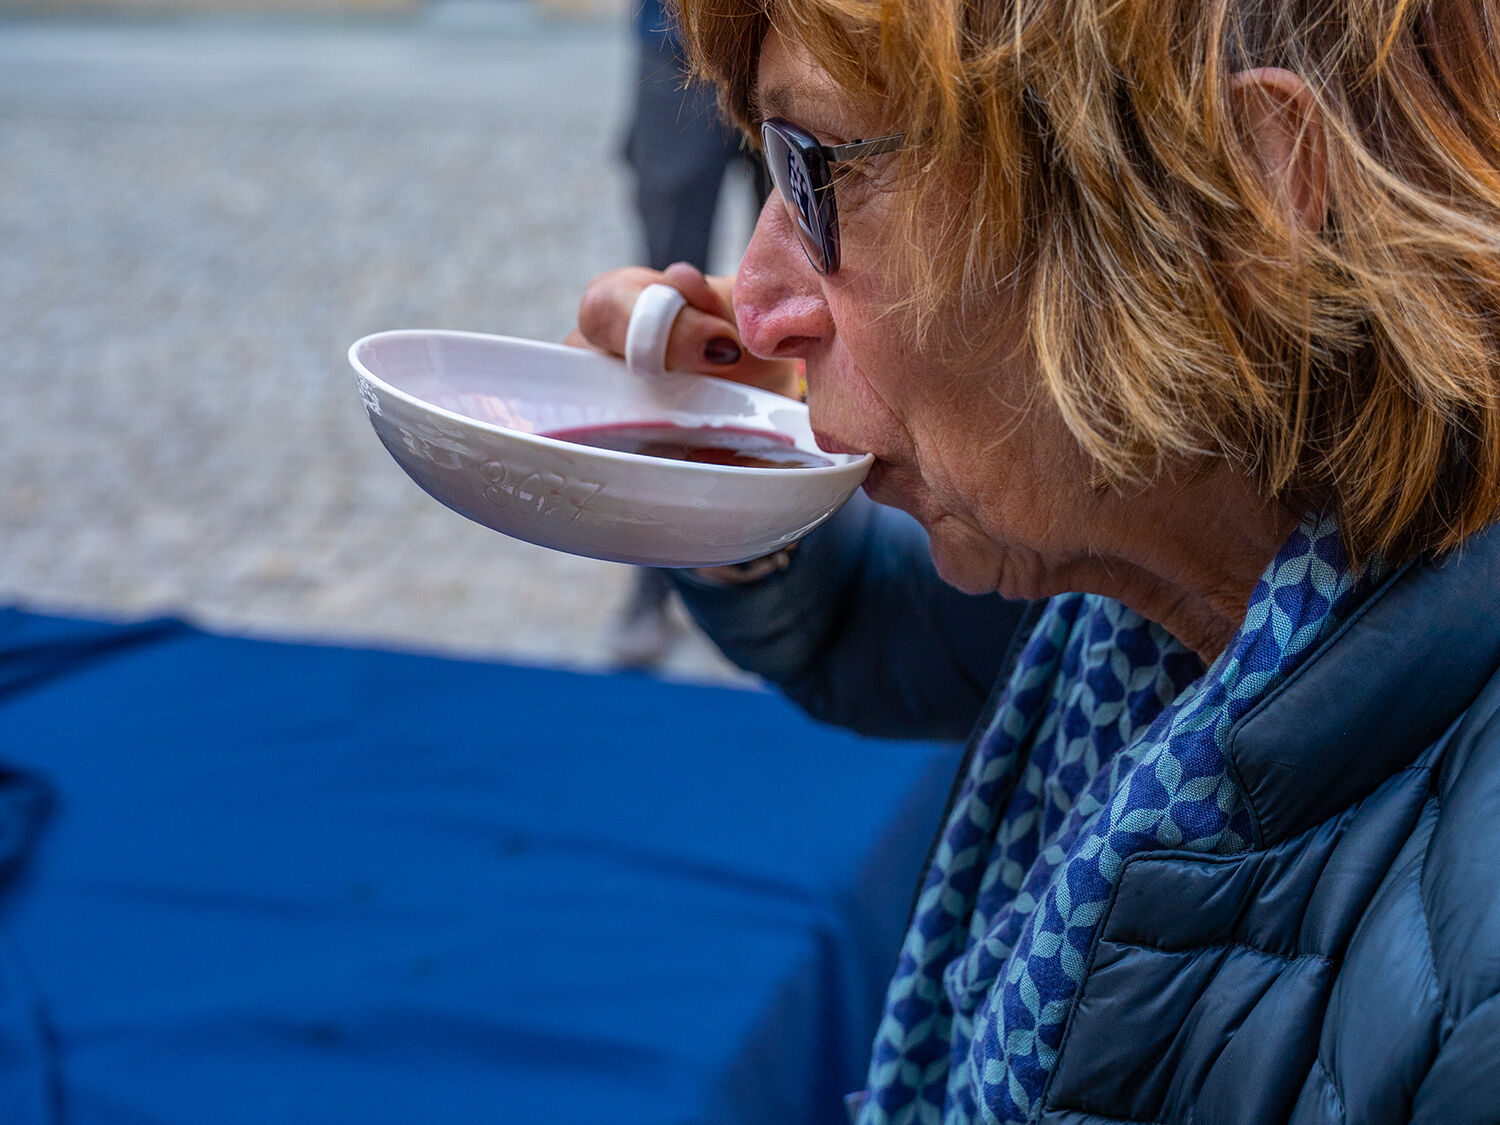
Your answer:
<point x="465" y="415"/>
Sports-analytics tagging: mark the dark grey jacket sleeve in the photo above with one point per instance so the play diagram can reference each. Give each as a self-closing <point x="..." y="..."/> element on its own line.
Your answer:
<point x="861" y="632"/>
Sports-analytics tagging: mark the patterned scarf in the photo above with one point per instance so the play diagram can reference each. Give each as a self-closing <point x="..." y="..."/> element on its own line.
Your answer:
<point x="1109" y="740"/>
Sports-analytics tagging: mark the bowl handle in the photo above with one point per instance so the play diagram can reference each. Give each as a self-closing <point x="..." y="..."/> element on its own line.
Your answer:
<point x="651" y="322"/>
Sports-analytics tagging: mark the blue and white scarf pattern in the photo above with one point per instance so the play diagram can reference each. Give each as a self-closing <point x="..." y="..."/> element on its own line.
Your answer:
<point x="1110" y="740"/>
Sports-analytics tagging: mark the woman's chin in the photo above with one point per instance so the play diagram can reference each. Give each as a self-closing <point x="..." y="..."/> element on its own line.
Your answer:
<point x="964" y="559"/>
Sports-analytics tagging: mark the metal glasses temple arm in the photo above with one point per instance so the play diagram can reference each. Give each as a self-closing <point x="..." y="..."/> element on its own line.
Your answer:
<point x="855" y="149"/>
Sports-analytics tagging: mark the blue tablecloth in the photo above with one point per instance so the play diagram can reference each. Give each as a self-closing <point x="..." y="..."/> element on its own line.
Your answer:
<point x="258" y="882"/>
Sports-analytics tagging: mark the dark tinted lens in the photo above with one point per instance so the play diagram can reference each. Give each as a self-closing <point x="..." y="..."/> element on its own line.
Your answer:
<point x="793" y="180"/>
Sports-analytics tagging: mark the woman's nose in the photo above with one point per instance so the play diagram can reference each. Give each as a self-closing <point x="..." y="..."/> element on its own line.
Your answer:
<point x="778" y="298"/>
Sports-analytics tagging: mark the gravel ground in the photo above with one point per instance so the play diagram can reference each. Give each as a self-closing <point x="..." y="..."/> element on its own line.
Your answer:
<point x="197" y="219"/>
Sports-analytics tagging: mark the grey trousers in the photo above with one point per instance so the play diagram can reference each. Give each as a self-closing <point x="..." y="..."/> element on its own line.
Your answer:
<point x="680" y="149"/>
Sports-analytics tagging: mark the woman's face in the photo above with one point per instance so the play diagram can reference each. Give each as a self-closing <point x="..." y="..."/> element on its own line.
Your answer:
<point x="980" y="457"/>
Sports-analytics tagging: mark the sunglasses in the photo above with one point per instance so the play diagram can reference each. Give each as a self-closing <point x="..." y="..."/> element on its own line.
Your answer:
<point x="800" y="169"/>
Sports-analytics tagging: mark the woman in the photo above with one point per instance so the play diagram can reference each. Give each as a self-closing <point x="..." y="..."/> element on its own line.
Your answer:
<point x="1176" y="325"/>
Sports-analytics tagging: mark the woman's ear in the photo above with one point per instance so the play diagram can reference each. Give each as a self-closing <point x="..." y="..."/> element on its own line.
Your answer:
<point x="1279" y="120"/>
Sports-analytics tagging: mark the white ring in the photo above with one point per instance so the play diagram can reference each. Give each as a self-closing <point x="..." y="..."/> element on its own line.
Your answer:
<point x="651" y="322"/>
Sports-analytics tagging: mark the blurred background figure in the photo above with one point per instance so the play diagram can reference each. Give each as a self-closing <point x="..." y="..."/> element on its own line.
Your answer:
<point x="200" y="212"/>
<point x="679" y="148"/>
<point x="682" y="155"/>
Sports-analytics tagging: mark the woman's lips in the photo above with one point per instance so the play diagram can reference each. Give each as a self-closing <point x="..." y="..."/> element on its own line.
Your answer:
<point x="876" y="481"/>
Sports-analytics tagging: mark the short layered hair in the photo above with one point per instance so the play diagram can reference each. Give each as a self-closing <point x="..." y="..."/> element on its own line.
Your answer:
<point x="1086" y="152"/>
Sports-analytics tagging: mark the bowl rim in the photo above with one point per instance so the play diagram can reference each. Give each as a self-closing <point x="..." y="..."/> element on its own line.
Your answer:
<point x="854" y="462"/>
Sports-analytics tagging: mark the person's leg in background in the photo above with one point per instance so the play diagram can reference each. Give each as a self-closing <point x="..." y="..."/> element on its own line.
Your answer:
<point x="679" y="150"/>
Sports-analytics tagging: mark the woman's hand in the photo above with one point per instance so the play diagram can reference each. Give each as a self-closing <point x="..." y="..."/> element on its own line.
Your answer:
<point x="704" y="338"/>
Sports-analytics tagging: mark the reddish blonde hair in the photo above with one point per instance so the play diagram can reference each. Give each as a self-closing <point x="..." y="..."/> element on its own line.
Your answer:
<point x="1175" y="308"/>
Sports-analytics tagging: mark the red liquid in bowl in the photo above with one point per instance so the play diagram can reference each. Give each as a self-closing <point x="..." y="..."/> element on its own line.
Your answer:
<point x="708" y="445"/>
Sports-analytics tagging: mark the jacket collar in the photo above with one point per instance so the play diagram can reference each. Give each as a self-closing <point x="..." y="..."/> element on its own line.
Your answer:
<point x="1374" y="695"/>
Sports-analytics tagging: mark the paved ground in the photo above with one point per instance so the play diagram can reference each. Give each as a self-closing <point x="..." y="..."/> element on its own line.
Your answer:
<point x="196" y="220"/>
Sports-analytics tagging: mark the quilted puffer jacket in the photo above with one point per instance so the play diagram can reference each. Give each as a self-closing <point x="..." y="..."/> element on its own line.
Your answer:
<point x="1347" y="968"/>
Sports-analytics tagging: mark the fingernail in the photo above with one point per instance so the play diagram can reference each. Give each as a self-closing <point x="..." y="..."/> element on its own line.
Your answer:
<point x="721" y="351"/>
